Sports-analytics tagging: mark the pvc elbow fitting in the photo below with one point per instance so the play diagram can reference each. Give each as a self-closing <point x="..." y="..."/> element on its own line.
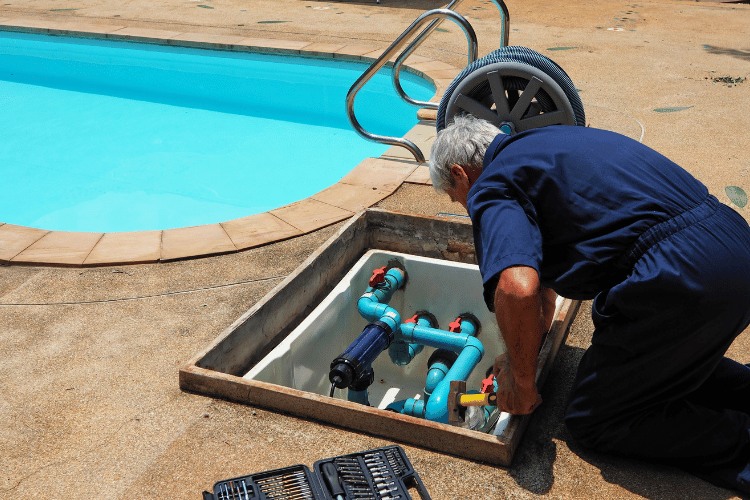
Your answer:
<point x="395" y="277"/>
<point x="468" y="327"/>
<point x="373" y="304"/>
<point x="392" y="281"/>
<point x="415" y="407"/>
<point x="435" y="375"/>
<point x="437" y="407"/>
<point x="373" y="311"/>
<point x="402" y="353"/>
<point x="440" y="339"/>
<point x="476" y="344"/>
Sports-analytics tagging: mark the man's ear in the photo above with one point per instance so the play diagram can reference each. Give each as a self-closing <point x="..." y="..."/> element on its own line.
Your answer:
<point x="457" y="172"/>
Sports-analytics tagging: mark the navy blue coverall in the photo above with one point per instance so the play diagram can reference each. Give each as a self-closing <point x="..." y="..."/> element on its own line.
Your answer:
<point x="603" y="217"/>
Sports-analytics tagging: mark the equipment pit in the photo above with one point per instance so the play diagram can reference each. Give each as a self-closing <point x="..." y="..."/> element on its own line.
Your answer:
<point x="278" y="355"/>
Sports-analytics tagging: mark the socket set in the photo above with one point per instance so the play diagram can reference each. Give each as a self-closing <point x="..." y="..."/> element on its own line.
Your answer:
<point x="378" y="474"/>
<point x="290" y="483"/>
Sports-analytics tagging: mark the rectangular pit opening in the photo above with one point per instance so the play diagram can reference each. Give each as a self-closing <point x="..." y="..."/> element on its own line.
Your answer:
<point x="277" y="355"/>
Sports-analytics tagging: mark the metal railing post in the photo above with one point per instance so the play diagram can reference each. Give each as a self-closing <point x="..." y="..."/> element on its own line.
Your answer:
<point x="504" y="35"/>
<point x="383" y="59"/>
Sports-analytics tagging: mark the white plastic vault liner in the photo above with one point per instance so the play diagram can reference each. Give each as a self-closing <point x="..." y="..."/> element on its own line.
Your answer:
<point x="444" y="288"/>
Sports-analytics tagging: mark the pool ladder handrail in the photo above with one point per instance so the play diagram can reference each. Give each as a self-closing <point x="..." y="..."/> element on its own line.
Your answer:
<point x="504" y="35"/>
<point x="436" y="16"/>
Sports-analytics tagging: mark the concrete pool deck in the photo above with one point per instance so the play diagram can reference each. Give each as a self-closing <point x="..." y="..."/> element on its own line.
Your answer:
<point x="89" y="397"/>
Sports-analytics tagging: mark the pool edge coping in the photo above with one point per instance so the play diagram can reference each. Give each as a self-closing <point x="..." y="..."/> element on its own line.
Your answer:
<point x="366" y="184"/>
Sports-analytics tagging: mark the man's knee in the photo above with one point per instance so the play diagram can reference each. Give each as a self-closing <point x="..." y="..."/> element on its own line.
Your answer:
<point x="587" y="429"/>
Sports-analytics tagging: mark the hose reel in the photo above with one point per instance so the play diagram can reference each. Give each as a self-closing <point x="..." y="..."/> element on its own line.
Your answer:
<point x="515" y="89"/>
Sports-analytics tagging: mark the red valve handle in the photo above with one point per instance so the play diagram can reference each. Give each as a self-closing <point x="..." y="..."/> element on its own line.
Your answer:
<point x="413" y="319"/>
<point x="378" y="276"/>
<point x="488" y="384"/>
<point x="455" y="326"/>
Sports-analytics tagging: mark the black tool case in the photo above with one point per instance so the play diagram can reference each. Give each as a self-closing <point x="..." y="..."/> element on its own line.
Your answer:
<point x="378" y="474"/>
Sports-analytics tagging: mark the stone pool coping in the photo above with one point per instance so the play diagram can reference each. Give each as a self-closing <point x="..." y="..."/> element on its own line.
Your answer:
<point x="366" y="184"/>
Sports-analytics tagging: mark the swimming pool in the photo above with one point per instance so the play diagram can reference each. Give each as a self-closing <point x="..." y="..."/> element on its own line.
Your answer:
<point x="110" y="136"/>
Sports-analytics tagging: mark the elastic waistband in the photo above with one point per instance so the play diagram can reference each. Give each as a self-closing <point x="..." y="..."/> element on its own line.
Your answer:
<point x="667" y="228"/>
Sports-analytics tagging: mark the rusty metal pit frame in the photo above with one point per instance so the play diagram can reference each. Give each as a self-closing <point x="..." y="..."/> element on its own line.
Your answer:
<point x="218" y="370"/>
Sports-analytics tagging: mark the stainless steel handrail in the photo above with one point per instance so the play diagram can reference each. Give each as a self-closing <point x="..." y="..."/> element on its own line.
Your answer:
<point x="504" y="35"/>
<point x="471" y="38"/>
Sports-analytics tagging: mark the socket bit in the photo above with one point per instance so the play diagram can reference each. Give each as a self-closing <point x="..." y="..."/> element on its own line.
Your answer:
<point x="348" y="469"/>
<point x="340" y="461"/>
<point x="288" y="493"/>
<point x="363" y="496"/>
<point x="383" y="491"/>
<point x="285" y="477"/>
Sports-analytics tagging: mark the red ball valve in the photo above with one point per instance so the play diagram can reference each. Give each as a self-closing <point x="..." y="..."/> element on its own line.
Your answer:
<point x="378" y="276"/>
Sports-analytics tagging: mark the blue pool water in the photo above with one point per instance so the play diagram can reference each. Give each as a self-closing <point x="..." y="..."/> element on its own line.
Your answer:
<point x="111" y="136"/>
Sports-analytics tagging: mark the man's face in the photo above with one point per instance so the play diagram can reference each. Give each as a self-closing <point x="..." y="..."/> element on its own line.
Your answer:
<point x="459" y="195"/>
<point x="462" y="183"/>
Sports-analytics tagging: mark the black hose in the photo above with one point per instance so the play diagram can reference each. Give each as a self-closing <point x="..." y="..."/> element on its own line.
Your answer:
<point x="333" y="388"/>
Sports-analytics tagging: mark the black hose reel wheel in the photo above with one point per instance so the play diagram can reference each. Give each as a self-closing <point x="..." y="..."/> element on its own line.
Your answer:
<point x="515" y="89"/>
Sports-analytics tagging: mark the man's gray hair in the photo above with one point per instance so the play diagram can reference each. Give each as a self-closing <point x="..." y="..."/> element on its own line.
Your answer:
<point x="462" y="143"/>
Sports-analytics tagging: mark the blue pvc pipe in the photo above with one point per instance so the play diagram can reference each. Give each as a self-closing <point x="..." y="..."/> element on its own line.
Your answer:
<point x="470" y="351"/>
<point x="432" y="337"/>
<point x="414" y="407"/>
<point x="394" y="279"/>
<point x="468" y="327"/>
<point x="438" y="370"/>
<point x="437" y="406"/>
<point x="359" y="397"/>
<point x="435" y="375"/>
<point x="397" y="406"/>
<point x="401" y="353"/>
<point x="373" y="305"/>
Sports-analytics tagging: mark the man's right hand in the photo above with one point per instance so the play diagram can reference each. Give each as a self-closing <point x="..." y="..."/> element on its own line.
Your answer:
<point x="511" y="398"/>
<point x="519" y="309"/>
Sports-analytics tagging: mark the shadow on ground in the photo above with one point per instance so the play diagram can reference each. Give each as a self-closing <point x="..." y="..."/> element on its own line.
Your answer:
<point x="739" y="54"/>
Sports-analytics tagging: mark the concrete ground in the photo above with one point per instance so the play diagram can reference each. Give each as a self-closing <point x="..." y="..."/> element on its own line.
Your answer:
<point x="89" y="400"/>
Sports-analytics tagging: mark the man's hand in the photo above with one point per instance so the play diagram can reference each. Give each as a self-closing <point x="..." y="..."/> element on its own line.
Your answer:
<point x="520" y="312"/>
<point x="511" y="398"/>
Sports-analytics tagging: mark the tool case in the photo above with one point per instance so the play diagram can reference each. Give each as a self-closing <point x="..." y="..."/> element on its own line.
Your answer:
<point x="377" y="474"/>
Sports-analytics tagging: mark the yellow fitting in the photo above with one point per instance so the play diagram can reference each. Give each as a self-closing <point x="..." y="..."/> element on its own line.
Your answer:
<point x="478" y="399"/>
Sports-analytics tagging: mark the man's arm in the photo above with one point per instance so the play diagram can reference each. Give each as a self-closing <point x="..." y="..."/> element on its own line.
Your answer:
<point x="524" y="313"/>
